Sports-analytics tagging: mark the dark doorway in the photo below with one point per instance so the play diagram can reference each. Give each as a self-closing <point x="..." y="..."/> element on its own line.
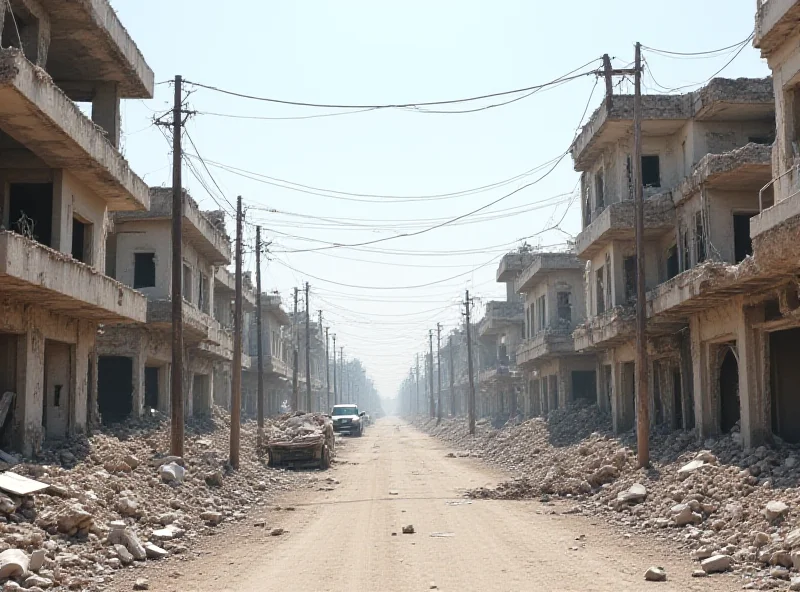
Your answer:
<point x="630" y="279"/>
<point x="200" y="401"/>
<point x="82" y="241"/>
<point x="609" y="390"/>
<point x="151" y="387"/>
<point x="144" y="270"/>
<point x="31" y="210"/>
<point x="677" y="396"/>
<point x="584" y="385"/>
<point x="742" y="245"/>
<point x="672" y="262"/>
<point x="651" y="171"/>
<point x="628" y="411"/>
<point x="729" y="391"/>
<point x="8" y="379"/>
<point x="114" y="388"/>
<point x="784" y="353"/>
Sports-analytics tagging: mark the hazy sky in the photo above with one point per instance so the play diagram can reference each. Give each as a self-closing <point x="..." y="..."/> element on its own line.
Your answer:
<point x="374" y="52"/>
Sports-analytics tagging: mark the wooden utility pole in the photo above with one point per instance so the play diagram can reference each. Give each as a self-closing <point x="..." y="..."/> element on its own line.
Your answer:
<point x="295" y="361"/>
<point x="439" y="372"/>
<point x="607" y="73"/>
<point x="236" y="386"/>
<point x="642" y="396"/>
<point x="260" y="349"/>
<point x="335" y="389"/>
<point x="176" y="382"/>
<point x="452" y="377"/>
<point x="327" y="368"/>
<point x="308" y="351"/>
<point x="416" y="400"/>
<point x="471" y="395"/>
<point x="430" y="376"/>
<point x="341" y="375"/>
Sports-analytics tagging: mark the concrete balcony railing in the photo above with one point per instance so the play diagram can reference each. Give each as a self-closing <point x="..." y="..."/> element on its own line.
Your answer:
<point x="32" y="272"/>
<point x="776" y="20"/>
<point x="500" y="314"/>
<point x="610" y="328"/>
<point x="547" y="343"/>
<point x="543" y="263"/>
<point x="616" y="223"/>
<point x="38" y="115"/>
<point x="199" y="329"/>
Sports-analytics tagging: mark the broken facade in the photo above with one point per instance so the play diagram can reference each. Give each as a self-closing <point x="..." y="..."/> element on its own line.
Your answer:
<point x="60" y="175"/>
<point x="720" y="306"/>
<point x="134" y="362"/>
<point x="552" y="285"/>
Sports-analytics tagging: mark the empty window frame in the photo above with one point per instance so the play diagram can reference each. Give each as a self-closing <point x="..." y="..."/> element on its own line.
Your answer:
<point x="144" y="270"/>
<point x="699" y="238"/>
<point x="564" y="304"/>
<point x="601" y="290"/>
<point x="651" y="171"/>
<point x="82" y="240"/>
<point x="672" y="262"/>
<point x="187" y="283"/>
<point x="599" y="190"/>
<point x="630" y="279"/>
<point x="542" y="310"/>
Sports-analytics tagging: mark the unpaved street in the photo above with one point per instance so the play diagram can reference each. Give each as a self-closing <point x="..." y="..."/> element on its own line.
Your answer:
<point x="342" y="539"/>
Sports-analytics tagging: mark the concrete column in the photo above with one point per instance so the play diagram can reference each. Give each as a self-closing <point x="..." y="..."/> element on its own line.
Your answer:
<point x="704" y="410"/>
<point x="617" y="403"/>
<point x="106" y="111"/>
<point x="29" y="433"/>
<point x="188" y="393"/>
<point x="752" y="353"/>
<point x="84" y="350"/>
<point x="553" y="391"/>
<point x="164" y="374"/>
<point x="137" y="388"/>
<point x="564" y="379"/>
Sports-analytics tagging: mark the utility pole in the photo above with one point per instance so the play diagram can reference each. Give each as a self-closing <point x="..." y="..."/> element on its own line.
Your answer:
<point x="295" y="394"/>
<point x="439" y="371"/>
<point x="416" y="400"/>
<point x="452" y="377"/>
<point x="607" y="73"/>
<point x="236" y="386"/>
<point x="471" y="395"/>
<point x="642" y="398"/>
<point x="430" y="377"/>
<point x="335" y="390"/>
<point x="341" y="374"/>
<point x="176" y="382"/>
<point x="308" y="352"/>
<point x="327" y="368"/>
<point x="260" y="349"/>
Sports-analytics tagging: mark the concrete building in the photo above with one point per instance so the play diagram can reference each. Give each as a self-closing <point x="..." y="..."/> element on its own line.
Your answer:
<point x="706" y="156"/>
<point x="277" y="353"/>
<point x="134" y="362"/>
<point x="499" y="382"/>
<point x="60" y="176"/>
<point x="552" y="285"/>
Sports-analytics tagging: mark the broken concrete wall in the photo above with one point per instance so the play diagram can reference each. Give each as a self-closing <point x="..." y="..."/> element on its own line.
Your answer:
<point x="34" y="326"/>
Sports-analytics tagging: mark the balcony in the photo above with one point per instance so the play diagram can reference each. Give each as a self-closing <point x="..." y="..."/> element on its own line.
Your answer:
<point x="500" y="314"/>
<point x="497" y="373"/>
<point x="54" y="133"/>
<point x="199" y="329"/>
<point x="545" y="344"/>
<point x="31" y="272"/>
<point x="616" y="223"/>
<point x="608" y="329"/>
<point x="776" y="20"/>
<point x="272" y="365"/>
<point x="541" y="264"/>
<point x="511" y="264"/>
<point x="206" y="237"/>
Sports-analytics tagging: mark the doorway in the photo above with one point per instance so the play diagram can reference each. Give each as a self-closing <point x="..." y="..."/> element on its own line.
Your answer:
<point x="784" y="349"/>
<point x="729" y="390"/>
<point x="151" y="387"/>
<point x="114" y="388"/>
<point x="742" y="244"/>
<point x="200" y="390"/>
<point x="31" y="210"/>
<point x="677" y="400"/>
<point x="584" y="385"/>
<point x="57" y="389"/>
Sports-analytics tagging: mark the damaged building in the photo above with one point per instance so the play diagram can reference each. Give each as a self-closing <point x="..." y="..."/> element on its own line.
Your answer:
<point x="61" y="174"/>
<point x="552" y="285"/>
<point x="720" y="260"/>
<point x="134" y="362"/>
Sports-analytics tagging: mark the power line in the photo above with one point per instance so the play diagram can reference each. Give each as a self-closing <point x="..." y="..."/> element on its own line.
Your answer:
<point x="697" y="53"/>
<point x="397" y="105"/>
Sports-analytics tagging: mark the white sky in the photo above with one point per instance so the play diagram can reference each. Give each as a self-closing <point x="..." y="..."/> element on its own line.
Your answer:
<point x="371" y="52"/>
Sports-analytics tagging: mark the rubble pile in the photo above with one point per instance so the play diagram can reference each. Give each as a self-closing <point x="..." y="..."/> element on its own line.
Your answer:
<point x="729" y="508"/>
<point x="117" y="497"/>
<point x="300" y="427"/>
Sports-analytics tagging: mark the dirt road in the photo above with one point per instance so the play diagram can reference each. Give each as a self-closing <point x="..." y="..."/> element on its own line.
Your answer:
<point x="343" y="539"/>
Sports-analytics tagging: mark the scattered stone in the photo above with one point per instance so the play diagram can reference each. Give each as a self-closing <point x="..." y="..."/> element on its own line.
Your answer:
<point x="213" y="518"/>
<point x="656" y="574"/>
<point x="716" y="564"/>
<point x="36" y="581"/>
<point x="409" y="529"/>
<point x="36" y="561"/>
<point x="124" y="555"/>
<point x="172" y="473"/>
<point x="277" y="532"/>
<point x="636" y="494"/>
<point x="760" y="539"/>
<point x="13" y="563"/>
<point x="795" y="583"/>
<point x="699" y="573"/>
<point x="214" y="479"/>
<point x="121" y="535"/>
<point x="167" y="533"/>
<point x="690" y="468"/>
<point x="141" y="584"/>
<point x="775" y="510"/>
<point x="154" y="551"/>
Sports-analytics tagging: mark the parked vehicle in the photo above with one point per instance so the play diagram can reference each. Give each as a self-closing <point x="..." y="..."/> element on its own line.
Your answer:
<point x="347" y="419"/>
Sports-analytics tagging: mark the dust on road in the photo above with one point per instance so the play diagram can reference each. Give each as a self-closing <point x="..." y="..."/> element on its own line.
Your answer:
<point x="348" y="537"/>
